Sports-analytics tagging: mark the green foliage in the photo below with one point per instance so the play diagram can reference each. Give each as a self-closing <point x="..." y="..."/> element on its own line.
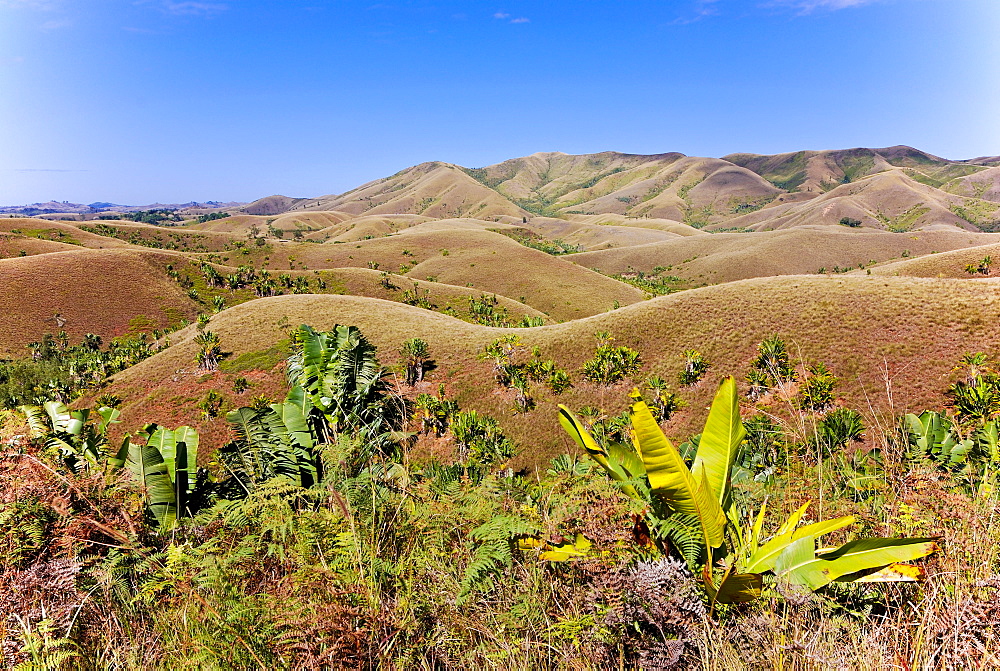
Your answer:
<point x="59" y="371"/>
<point x="435" y="412"/>
<point x="771" y="368"/>
<point x="209" y="350"/>
<point x="611" y="363"/>
<point x="654" y="283"/>
<point x="556" y="247"/>
<point x="497" y="540"/>
<point x="24" y="531"/>
<point x="664" y="402"/>
<point x="976" y="400"/>
<point x="695" y="367"/>
<point x="211" y="403"/>
<point x="848" y="221"/>
<point x="816" y="391"/>
<point x="702" y="493"/>
<point x="415" y="353"/>
<point x="482" y="443"/>
<point x="257" y="360"/>
<point x="78" y="437"/>
<point x="166" y="465"/>
<point x="212" y="216"/>
<point x="838" y="429"/>
<point x="155" y="217"/>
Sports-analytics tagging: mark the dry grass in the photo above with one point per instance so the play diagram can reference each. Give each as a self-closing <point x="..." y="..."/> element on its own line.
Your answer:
<point x="725" y="257"/>
<point x="470" y="258"/>
<point x="947" y="264"/>
<point x="92" y="292"/>
<point x="910" y="330"/>
<point x="430" y="189"/>
<point x="889" y="199"/>
<point x="13" y="244"/>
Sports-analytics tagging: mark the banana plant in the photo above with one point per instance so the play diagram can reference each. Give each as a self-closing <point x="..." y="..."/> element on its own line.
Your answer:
<point x="934" y="435"/>
<point x="274" y="441"/>
<point x="656" y="472"/>
<point x="82" y="444"/>
<point x="166" y="465"/>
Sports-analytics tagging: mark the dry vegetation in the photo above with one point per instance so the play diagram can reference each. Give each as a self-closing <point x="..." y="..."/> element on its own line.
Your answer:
<point x="394" y="561"/>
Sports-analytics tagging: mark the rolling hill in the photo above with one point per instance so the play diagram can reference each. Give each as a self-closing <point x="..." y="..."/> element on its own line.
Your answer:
<point x="725" y="257"/>
<point x="109" y="292"/>
<point x="911" y="329"/>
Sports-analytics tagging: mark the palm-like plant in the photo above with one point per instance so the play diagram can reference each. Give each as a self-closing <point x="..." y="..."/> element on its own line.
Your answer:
<point x="210" y="351"/>
<point x="415" y="356"/>
<point x="696" y="505"/>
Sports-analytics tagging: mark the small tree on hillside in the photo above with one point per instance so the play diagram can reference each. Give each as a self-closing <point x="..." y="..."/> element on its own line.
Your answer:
<point x="415" y="359"/>
<point x="209" y="352"/>
<point x="611" y="363"/>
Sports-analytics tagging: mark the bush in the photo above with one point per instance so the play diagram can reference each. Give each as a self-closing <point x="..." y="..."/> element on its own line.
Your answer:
<point x="611" y="363"/>
<point x="695" y="366"/>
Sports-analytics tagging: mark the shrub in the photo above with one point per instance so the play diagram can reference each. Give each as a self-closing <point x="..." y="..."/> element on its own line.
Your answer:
<point x="611" y="363"/>
<point x="816" y="393"/>
<point x="695" y="366"/>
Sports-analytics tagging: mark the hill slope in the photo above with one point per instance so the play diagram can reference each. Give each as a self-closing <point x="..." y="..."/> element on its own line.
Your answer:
<point x="913" y="329"/>
<point x="66" y="291"/>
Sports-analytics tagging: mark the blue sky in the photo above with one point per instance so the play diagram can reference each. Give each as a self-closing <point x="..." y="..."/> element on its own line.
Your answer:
<point x="136" y="101"/>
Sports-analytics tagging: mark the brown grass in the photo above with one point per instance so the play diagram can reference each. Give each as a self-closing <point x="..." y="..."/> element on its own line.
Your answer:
<point x="725" y="257"/>
<point x="864" y="328"/>
<point x="92" y="291"/>
<point x="469" y="258"/>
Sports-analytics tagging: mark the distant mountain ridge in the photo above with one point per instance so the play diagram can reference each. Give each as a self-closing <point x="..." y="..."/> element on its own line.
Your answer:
<point x="65" y="207"/>
<point x="895" y="188"/>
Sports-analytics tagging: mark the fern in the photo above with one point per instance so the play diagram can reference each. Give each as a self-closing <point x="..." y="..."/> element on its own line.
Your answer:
<point x="683" y="532"/>
<point x="494" y="553"/>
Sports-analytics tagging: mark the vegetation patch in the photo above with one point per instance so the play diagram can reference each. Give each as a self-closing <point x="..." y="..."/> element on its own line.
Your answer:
<point x="259" y="360"/>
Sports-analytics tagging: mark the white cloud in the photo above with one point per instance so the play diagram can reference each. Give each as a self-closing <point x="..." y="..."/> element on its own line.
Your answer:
<point x="521" y="20"/>
<point x="806" y="6"/>
<point x="501" y="15"/>
<point x="186" y="8"/>
<point x="702" y="10"/>
<point x="39" y="5"/>
<point x="56" y="24"/>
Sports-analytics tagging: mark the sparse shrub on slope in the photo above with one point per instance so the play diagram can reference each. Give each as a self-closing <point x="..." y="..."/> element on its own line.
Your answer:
<point x="771" y="369"/>
<point x="695" y="367"/>
<point x="611" y="363"/>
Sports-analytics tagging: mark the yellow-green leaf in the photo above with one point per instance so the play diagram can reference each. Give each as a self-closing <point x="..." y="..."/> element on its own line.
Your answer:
<point x="721" y="440"/>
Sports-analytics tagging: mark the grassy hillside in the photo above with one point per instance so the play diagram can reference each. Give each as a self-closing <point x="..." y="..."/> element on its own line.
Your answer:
<point x="724" y="257"/>
<point x="947" y="264"/>
<point x="889" y="200"/>
<point x="106" y="292"/>
<point x="429" y="189"/>
<point x="819" y="171"/>
<point x="863" y="328"/>
<point x="472" y="258"/>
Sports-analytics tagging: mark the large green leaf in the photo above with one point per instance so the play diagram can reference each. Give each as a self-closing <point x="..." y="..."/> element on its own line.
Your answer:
<point x="153" y="473"/>
<point x="736" y="588"/>
<point x="683" y="491"/>
<point x="189" y="437"/>
<point x="820" y="570"/>
<point x="613" y="467"/>
<point x="721" y="439"/>
<point x="109" y="416"/>
<point x="763" y="557"/>
<point x="38" y="421"/>
<point x="769" y="554"/>
<point x="163" y="441"/>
